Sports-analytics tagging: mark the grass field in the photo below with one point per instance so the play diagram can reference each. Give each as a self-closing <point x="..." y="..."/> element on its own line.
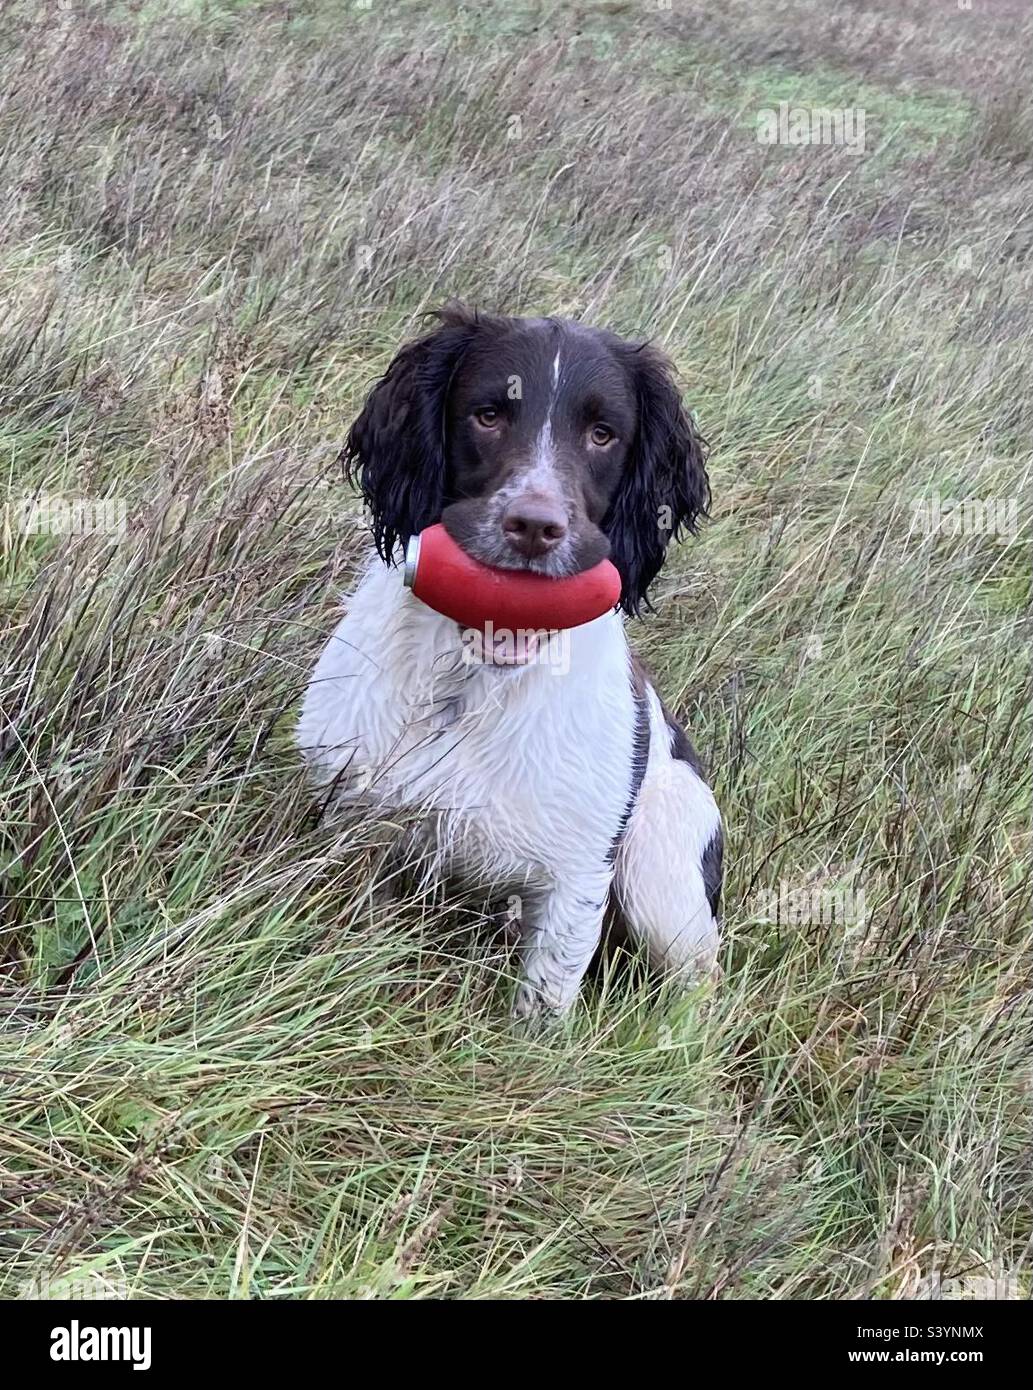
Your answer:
<point x="227" y="1070"/>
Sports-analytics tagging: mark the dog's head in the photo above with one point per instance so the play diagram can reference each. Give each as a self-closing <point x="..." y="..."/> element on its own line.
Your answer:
<point x="539" y="443"/>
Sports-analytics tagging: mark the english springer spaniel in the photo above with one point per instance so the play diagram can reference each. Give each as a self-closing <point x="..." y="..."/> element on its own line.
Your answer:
<point x="550" y="769"/>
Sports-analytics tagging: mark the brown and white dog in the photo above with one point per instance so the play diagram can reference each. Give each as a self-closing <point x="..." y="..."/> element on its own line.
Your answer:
<point x="545" y="766"/>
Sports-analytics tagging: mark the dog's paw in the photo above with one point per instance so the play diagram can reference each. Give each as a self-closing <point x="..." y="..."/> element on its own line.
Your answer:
<point x="531" y="1014"/>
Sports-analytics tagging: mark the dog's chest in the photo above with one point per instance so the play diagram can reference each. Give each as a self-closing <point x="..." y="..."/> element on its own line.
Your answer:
<point x="521" y="776"/>
<point x="515" y="770"/>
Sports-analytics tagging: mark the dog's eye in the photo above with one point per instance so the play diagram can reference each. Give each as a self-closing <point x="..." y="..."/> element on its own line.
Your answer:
<point x="601" y="435"/>
<point x="487" y="418"/>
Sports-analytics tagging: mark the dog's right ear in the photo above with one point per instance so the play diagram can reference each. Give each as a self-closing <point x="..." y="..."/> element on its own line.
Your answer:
<point x="396" y="448"/>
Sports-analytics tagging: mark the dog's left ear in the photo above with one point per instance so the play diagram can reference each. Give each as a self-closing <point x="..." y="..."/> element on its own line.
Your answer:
<point x="665" y="489"/>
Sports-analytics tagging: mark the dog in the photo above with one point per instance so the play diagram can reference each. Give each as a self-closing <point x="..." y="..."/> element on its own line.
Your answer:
<point x="540" y="444"/>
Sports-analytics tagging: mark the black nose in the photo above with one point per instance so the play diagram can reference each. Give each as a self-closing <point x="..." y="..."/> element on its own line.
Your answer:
<point x="534" y="525"/>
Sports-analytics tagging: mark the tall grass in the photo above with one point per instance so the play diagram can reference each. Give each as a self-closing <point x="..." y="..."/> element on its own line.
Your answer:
<point x="229" y="1068"/>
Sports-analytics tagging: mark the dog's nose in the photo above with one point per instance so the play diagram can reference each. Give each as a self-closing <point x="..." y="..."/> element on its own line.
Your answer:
<point x="534" y="525"/>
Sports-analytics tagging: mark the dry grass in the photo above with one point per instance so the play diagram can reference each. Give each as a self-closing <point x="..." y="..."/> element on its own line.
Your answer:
<point x="226" y="1070"/>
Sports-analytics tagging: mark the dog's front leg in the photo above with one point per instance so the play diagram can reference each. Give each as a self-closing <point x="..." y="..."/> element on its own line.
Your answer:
<point x="559" y="944"/>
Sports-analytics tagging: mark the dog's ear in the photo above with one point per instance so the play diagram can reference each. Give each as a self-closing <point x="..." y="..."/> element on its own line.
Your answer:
<point x="665" y="488"/>
<point x="396" y="448"/>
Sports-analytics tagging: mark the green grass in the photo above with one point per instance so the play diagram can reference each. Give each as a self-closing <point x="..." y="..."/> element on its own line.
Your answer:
<point x="228" y="1069"/>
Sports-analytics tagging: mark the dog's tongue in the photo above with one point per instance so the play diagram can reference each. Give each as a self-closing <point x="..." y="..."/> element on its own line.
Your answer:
<point x="505" y="649"/>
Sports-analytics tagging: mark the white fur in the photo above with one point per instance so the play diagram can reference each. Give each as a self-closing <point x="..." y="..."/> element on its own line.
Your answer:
<point x="658" y="876"/>
<point x="523" y="775"/>
<point x="541" y="476"/>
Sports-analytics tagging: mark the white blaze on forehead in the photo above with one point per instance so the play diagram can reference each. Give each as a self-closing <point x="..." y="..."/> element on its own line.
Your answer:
<point x="540" y="471"/>
<point x="540" y="474"/>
